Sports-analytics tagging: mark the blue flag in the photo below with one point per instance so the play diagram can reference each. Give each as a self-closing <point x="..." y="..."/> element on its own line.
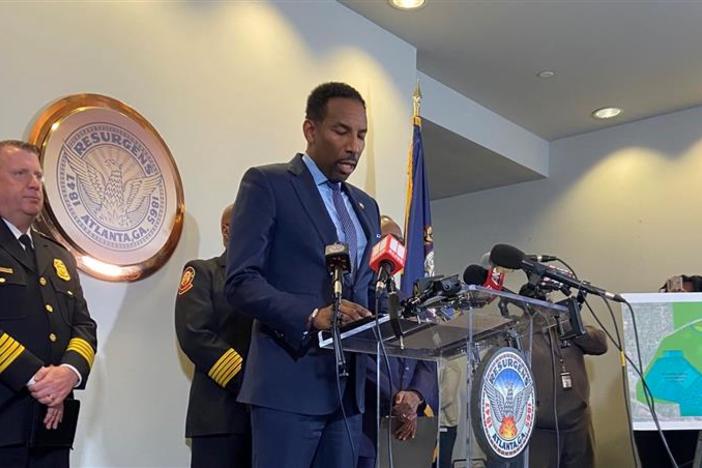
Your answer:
<point x="418" y="233"/>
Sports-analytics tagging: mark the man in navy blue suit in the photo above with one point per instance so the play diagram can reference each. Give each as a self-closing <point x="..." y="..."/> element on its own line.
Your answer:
<point x="284" y="216"/>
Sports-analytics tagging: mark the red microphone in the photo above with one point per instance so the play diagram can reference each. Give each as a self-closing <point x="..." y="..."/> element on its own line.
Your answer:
<point x="493" y="278"/>
<point x="479" y="276"/>
<point x="387" y="258"/>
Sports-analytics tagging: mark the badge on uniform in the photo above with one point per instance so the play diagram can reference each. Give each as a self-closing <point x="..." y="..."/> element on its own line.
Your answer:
<point x="61" y="270"/>
<point x="7" y="270"/>
<point x="186" y="281"/>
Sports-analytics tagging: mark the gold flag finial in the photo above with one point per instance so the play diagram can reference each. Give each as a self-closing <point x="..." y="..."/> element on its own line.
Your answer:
<point x="416" y="102"/>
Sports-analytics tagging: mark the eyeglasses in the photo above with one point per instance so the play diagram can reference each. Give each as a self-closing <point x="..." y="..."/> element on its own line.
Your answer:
<point x="25" y="175"/>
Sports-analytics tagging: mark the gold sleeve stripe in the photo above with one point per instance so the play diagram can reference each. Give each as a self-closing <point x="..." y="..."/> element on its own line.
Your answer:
<point x="84" y="350"/>
<point x="223" y="358"/>
<point x="231" y="374"/>
<point x="221" y="374"/>
<point x="82" y="347"/>
<point x="3" y="339"/>
<point x="6" y="343"/>
<point x="226" y="367"/>
<point x="10" y="349"/>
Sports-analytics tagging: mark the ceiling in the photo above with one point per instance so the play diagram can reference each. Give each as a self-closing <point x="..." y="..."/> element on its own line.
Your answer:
<point x="642" y="56"/>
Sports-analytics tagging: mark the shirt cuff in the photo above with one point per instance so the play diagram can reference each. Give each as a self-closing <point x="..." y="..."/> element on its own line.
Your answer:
<point x="75" y="371"/>
<point x="309" y="326"/>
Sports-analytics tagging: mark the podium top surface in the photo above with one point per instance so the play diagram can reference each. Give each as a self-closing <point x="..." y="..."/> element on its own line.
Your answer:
<point x="445" y="327"/>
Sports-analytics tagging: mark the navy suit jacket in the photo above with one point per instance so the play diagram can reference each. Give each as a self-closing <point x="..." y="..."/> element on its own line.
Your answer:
<point x="276" y="274"/>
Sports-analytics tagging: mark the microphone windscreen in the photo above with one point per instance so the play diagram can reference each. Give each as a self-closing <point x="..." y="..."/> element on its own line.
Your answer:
<point x="475" y="274"/>
<point x="506" y="256"/>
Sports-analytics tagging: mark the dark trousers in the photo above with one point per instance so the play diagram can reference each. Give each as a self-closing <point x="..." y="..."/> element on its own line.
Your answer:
<point x="447" y="439"/>
<point x="221" y="451"/>
<point x="576" y="449"/>
<point x="19" y="456"/>
<point x="291" y="440"/>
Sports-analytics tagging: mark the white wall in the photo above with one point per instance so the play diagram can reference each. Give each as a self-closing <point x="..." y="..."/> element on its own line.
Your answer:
<point x="620" y="206"/>
<point x="225" y="84"/>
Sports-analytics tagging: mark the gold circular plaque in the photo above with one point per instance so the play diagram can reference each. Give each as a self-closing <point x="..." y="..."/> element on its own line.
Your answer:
<point x="113" y="194"/>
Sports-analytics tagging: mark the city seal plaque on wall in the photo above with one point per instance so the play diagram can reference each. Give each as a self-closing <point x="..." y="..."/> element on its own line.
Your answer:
<point x="503" y="404"/>
<point x="113" y="192"/>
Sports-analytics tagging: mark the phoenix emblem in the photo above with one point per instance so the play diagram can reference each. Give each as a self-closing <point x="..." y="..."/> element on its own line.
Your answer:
<point x="508" y="408"/>
<point x="103" y="181"/>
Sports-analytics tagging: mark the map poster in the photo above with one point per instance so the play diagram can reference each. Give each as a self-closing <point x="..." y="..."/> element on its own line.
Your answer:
<point x="670" y="338"/>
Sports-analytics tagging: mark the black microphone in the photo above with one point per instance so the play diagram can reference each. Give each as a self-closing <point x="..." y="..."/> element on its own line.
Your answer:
<point x="487" y="278"/>
<point x="511" y="257"/>
<point x="542" y="258"/>
<point x="475" y="274"/>
<point x="338" y="262"/>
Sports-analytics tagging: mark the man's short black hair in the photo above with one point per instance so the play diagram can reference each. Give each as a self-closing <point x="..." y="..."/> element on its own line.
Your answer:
<point x="317" y="100"/>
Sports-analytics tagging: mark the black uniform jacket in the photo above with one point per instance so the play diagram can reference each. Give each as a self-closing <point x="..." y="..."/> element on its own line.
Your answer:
<point x="216" y="339"/>
<point x="573" y="403"/>
<point x="44" y="320"/>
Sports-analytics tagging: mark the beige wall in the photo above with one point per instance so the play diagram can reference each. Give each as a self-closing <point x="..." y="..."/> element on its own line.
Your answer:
<point x="225" y="83"/>
<point x="620" y="206"/>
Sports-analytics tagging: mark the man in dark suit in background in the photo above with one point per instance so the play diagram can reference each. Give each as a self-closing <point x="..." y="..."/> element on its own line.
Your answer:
<point x="216" y="339"/>
<point x="414" y="390"/>
<point x="284" y="216"/>
<point x="47" y="338"/>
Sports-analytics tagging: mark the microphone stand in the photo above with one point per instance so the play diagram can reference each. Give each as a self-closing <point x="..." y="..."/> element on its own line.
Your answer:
<point x="386" y="283"/>
<point x="336" y="322"/>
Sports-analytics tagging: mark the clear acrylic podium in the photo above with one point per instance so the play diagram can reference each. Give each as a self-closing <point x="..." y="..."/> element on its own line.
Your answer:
<point x="468" y="325"/>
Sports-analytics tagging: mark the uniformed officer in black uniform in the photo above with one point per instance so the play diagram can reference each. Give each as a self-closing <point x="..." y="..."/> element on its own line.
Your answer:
<point x="561" y="369"/>
<point x="216" y="340"/>
<point x="47" y="338"/>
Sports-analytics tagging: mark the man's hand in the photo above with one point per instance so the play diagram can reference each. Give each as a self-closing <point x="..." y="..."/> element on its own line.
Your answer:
<point x="54" y="415"/>
<point x="406" y="430"/>
<point x="406" y="404"/>
<point x="348" y="312"/>
<point x="405" y="409"/>
<point x="53" y="384"/>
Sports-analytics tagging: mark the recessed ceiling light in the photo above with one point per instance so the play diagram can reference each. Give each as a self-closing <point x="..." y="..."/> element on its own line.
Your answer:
<point x="407" y="4"/>
<point x="546" y="74"/>
<point x="606" y="113"/>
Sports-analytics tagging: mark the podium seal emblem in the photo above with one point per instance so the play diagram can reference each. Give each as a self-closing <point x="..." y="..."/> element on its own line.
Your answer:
<point x="503" y="404"/>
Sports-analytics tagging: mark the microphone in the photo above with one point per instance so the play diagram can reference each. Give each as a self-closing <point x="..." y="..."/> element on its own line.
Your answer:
<point x="338" y="262"/>
<point x="428" y="291"/>
<point x="510" y="257"/>
<point x="387" y="258"/>
<point x="490" y="278"/>
<point x="542" y="258"/>
<point x="479" y="276"/>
